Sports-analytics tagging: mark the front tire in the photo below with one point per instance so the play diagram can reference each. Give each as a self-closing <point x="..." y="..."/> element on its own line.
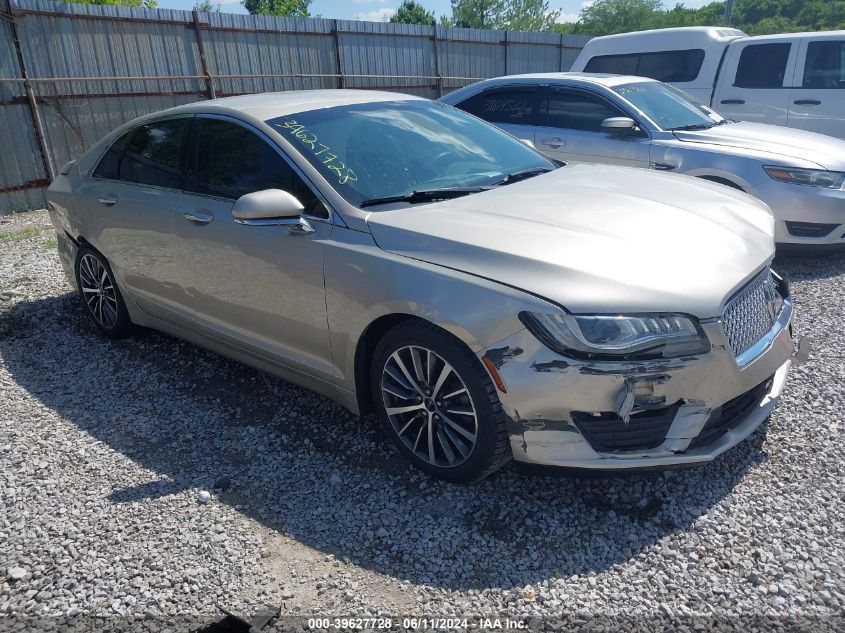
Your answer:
<point x="99" y="293"/>
<point x="437" y="403"/>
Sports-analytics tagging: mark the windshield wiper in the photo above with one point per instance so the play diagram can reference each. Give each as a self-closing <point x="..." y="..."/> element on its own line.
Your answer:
<point x="694" y="126"/>
<point x="425" y="195"/>
<point x="522" y="174"/>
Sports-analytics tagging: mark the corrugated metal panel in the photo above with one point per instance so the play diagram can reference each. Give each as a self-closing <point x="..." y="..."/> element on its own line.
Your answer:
<point x="264" y="53"/>
<point x="302" y="46"/>
<point x="403" y="53"/>
<point x="23" y="164"/>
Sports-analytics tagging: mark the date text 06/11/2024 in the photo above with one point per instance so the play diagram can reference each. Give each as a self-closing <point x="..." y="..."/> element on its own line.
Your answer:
<point x="418" y="623"/>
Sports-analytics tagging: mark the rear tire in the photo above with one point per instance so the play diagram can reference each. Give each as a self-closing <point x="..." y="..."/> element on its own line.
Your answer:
<point x="438" y="404"/>
<point x="99" y="293"/>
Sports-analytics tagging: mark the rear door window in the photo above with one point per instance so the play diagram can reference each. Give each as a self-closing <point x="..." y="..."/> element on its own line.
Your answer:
<point x="154" y="154"/>
<point x="762" y="66"/>
<point x="517" y="106"/>
<point x="825" y="66"/>
<point x="669" y="66"/>
<point x="109" y="165"/>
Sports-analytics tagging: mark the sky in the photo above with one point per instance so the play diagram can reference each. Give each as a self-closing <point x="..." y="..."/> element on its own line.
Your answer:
<point x="379" y="10"/>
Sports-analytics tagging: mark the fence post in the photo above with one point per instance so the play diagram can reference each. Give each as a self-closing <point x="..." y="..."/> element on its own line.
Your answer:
<point x="209" y="80"/>
<point x="560" y="53"/>
<point x="505" y="42"/>
<point x="339" y="66"/>
<point x="437" y="62"/>
<point x="46" y="160"/>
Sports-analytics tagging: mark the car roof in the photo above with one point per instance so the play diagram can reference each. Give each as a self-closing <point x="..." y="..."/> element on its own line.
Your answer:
<point x="269" y="105"/>
<point x="602" y="79"/>
<point x="699" y="32"/>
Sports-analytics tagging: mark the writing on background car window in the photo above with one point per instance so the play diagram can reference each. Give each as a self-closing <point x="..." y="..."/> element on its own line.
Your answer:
<point x="514" y="108"/>
<point x="328" y="158"/>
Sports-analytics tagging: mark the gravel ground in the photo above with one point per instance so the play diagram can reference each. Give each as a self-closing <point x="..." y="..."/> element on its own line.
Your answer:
<point x="104" y="447"/>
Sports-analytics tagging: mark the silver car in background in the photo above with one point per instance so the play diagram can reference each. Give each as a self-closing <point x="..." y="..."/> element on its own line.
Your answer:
<point x="640" y="122"/>
<point x="400" y="256"/>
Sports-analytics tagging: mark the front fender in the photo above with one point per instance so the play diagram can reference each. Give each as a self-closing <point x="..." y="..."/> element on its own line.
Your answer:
<point x="364" y="283"/>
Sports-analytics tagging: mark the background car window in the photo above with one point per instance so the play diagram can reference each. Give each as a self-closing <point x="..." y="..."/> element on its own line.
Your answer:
<point x="669" y="107"/>
<point x="578" y="111"/>
<point x="512" y="105"/>
<point x="825" y="66"/>
<point x="109" y="166"/>
<point x="154" y="154"/>
<point x="762" y="66"/>
<point x="662" y="65"/>
<point x="232" y="161"/>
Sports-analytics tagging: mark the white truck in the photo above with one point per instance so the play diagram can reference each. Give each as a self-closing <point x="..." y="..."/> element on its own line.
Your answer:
<point x="796" y="80"/>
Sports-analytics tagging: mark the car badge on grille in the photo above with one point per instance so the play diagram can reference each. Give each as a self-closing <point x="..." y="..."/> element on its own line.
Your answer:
<point x="772" y="297"/>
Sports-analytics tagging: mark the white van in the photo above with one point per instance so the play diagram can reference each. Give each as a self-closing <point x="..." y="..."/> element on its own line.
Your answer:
<point x="795" y="79"/>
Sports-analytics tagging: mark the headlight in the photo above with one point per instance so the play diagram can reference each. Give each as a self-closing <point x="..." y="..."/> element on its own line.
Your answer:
<point x="617" y="337"/>
<point x="811" y="177"/>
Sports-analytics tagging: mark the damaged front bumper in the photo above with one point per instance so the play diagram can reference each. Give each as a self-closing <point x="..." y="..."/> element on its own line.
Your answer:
<point x="639" y="414"/>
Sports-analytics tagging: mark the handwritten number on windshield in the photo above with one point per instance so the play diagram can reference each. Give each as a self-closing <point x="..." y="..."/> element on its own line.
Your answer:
<point x="329" y="159"/>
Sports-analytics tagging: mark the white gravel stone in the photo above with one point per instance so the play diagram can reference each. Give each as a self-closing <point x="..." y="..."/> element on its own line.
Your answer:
<point x="104" y="444"/>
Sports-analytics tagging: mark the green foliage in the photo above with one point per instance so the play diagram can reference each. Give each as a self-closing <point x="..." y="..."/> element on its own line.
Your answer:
<point x="617" y="16"/>
<point x="296" y="8"/>
<point x="146" y="4"/>
<point x="206" y="6"/>
<point x="529" y="15"/>
<point x="755" y="17"/>
<point x="477" y="14"/>
<point x="412" y="12"/>
<point x="511" y="15"/>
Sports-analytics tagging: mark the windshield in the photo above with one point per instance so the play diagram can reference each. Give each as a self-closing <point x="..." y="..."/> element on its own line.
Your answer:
<point x="379" y="150"/>
<point x="669" y="107"/>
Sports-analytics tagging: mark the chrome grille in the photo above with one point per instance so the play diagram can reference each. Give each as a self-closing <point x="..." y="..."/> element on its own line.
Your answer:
<point x="752" y="312"/>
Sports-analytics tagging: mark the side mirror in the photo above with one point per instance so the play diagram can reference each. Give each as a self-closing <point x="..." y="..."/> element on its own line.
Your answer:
<point x="271" y="206"/>
<point x="528" y="142"/>
<point x="619" y="125"/>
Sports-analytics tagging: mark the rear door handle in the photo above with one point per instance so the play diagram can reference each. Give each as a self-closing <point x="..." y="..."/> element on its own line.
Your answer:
<point x="732" y="101"/>
<point x="807" y="102"/>
<point x="109" y="201"/>
<point x="199" y="218"/>
<point x="552" y="142"/>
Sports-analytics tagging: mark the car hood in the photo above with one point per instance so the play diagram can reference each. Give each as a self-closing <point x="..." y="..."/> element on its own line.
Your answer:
<point x="824" y="151"/>
<point x="595" y="238"/>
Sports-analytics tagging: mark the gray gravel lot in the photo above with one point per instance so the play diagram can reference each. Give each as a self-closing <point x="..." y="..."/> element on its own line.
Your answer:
<point x="104" y="447"/>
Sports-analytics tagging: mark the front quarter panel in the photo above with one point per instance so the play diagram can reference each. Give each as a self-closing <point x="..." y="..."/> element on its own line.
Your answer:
<point x="364" y="283"/>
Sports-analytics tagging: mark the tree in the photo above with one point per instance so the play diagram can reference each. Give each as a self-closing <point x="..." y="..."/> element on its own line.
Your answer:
<point x="606" y="17"/>
<point x="529" y="15"/>
<point x="513" y="15"/>
<point x="146" y="4"/>
<point x="477" y="14"/>
<point x="412" y="12"/>
<point x="296" y="8"/>
<point x="206" y="6"/>
<point x="755" y="17"/>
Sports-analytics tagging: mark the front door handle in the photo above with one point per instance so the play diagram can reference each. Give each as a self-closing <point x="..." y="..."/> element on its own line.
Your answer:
<point x="109" y="201"/>
<point x="199" y="218"/>
<point x="552" y="142"/>
<point x="663" y="166"/>
<point x="732" y="101"/>
<point x="807" y="102"/>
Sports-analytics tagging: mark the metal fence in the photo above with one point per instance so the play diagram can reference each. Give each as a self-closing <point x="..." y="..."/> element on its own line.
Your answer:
<point x="70" y="73"/>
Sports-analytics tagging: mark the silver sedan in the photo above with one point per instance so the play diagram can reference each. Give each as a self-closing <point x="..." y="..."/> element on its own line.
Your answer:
<point x="645" y="123"/>
<point x="400" y="256"/>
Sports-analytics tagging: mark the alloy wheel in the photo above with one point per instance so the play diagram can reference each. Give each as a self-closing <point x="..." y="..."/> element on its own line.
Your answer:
<point x="98" y="290"/>
<point x="429" y="406"/>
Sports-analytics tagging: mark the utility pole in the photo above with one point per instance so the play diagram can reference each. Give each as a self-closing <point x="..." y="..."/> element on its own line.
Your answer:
<point x="729" y="7"/>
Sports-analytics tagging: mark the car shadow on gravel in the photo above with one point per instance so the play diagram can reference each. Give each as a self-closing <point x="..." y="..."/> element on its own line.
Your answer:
<point x="303" y="466"/>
